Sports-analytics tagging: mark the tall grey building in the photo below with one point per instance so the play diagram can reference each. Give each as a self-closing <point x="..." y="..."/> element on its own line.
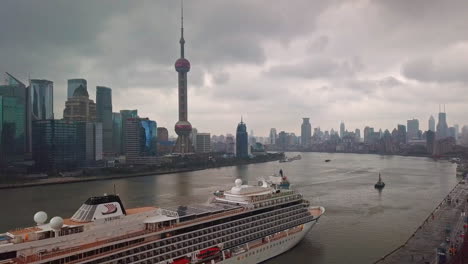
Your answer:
<point x="125" y="115"/>
<point x="273" y="136"/>
<point x="41" y="98"/>
<point x="73" y="84"/>
<point x="104" y="115"/>
<point x="203" y="144"/>
<point x="342" y="129"/>
<point x="413" y="129"/>
<point x="306" y="132"/>
<point x="431" y="124"/>
<point x="442" y="127"/>
<point x="117" y="131"/>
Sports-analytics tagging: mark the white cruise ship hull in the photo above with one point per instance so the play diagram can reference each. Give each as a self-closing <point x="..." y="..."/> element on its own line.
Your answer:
<point x="271" y="249"/>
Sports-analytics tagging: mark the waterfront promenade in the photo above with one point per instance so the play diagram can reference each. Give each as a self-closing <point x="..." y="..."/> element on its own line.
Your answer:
<point x="443" y="228"/>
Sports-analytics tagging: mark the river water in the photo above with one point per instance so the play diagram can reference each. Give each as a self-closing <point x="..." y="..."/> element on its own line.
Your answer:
<point x="360" y="225"/>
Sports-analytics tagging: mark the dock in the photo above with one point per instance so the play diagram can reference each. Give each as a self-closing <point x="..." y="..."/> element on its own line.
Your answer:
<point x="442" y="230"/>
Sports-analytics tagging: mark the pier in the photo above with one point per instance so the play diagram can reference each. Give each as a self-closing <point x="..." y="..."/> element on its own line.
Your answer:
<point x="440" y="234"/>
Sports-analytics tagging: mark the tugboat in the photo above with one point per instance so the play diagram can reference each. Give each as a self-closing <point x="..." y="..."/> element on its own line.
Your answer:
<point x="380" y="184"/>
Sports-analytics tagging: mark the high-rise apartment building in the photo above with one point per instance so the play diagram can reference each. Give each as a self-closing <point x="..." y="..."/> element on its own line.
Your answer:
<point x="104" y="115"/>
<point x="203" y="143"/>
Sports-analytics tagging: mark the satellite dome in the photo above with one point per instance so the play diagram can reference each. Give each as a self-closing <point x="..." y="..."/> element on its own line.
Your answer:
<point x="238" y="182"/>
<point x="56" y="223"/>
<point x="182" y="65"/>
<point x="40" y="217"/>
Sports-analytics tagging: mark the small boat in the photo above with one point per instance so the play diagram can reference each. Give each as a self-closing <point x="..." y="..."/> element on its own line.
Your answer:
<point x="380" y="184"/>
<point x="327" y="160"/>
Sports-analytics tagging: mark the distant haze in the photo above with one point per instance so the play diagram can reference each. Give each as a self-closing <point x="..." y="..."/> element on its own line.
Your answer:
<point x="376" y="63"/>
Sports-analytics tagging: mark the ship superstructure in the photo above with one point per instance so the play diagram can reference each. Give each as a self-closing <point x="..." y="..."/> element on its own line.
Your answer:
<point x="246" y="224"/>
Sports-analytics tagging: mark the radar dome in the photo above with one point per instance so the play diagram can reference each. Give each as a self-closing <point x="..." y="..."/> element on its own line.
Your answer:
<point x="238" y="182"/>
<point x="56" y="223"/>
<point x="40" y="217"/>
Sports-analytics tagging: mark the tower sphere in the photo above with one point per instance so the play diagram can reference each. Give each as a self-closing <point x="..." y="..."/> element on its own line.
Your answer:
<point x="183" y="128"/>
<point x="182" y="65"/>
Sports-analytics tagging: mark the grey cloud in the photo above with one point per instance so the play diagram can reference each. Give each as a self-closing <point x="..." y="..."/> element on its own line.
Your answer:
<point x="319" y="44"/>
<point x="318" y="68"/>
<point x="431" y="70"/>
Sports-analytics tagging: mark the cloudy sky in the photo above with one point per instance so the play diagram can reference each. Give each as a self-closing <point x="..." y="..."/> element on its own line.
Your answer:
<point x="370" y="62"/>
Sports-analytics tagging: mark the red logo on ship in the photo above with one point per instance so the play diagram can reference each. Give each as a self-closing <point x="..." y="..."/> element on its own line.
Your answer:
<point x="111" y="208"/>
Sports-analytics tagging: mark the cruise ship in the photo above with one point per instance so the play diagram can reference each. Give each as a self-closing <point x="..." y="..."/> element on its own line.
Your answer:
<point x="245" y="224"/>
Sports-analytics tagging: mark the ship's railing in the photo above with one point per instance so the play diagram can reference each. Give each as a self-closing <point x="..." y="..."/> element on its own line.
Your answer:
<point x="54" y="253"/>
<point x="248" y="237"/>
<point x="174" y="253"/>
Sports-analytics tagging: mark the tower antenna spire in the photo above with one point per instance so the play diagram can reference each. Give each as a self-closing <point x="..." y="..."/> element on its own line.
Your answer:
<point x="182" y="40"/>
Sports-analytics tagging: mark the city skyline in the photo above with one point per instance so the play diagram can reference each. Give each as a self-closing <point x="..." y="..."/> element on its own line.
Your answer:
<point x="241" y="72"/>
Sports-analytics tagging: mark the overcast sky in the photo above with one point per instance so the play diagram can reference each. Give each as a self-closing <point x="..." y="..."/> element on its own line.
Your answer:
<point x="374" y="63"/>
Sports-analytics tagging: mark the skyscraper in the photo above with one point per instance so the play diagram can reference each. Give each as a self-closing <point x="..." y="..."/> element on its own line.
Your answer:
<point x="117" y="133"/>
<point x="203" y="143"/>
<point x="413" y="129"/>
<point x="431" y="124"/>
<point x="357" y="133"/>
<point x="306" y="132"/>
<point x="141" y="139"/>
<point x="401" y="134"/>
<point x="73" y="84"/>
<point x="104" y="115"/>
<point x="126" y="114"/>
<point x="442" y="127"/>
<point x="183" y="126"/>
<point x="41" y="94"/>
<point x="242" y="143"/>
<point x="79" y="107"/>
<point x="273" y="136"/>
<point x="58" y="144"/>
<point x="15" y="120"/>
<point x="342" y="129"/>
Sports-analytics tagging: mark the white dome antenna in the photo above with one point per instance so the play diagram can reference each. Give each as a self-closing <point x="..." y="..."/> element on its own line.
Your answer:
<point x="40" y="217"/>
<point x="56" y="224"/>
<point x="238" y="182"/>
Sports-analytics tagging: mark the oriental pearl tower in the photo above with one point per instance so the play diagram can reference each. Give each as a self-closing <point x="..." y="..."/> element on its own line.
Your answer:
<point x="183" y="128"/>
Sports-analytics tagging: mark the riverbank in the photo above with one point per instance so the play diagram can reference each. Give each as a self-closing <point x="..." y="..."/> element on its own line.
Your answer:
<point x="25" y="182"/>
<point x="442" y="230"/>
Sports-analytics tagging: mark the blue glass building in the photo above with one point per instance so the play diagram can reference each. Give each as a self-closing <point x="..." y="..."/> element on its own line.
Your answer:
<point x="41" y="95"/>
